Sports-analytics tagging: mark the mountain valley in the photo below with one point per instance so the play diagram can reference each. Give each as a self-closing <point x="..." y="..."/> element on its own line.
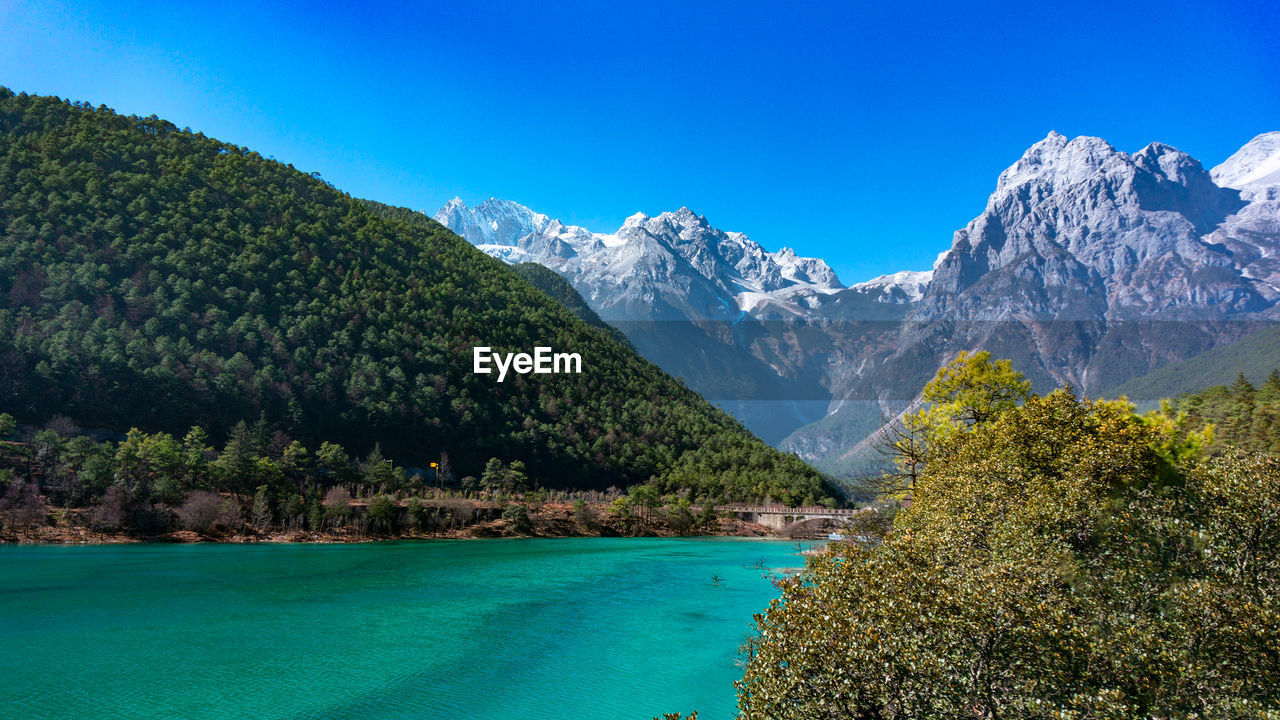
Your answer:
<point x="1088" y="266"/>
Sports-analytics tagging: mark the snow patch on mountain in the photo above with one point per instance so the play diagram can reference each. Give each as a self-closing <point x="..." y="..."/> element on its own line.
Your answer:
<point x="1252" y="167"/>
<point x="908" y="285"/>
<point x="506" y="253"/>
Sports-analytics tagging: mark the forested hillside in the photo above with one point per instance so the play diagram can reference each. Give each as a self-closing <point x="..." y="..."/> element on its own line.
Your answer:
<point x="156" y="278"/>
<point x="1242" y="415"/>
<point x="1252" y="356"/>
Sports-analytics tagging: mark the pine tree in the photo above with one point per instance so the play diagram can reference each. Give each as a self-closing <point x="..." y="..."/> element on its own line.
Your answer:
<point x="237" y="459"/>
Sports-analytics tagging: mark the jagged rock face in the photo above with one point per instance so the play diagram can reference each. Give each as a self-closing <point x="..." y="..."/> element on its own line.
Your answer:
<point x="1087" y="266"/>
<point x="1079" y="230"/>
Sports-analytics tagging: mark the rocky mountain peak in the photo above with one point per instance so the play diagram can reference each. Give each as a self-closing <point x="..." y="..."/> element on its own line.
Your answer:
<point x="1087" y="265"/>
<point x="636" y="220"/>
<point x="1056" y="160"/>
<point x="1171" y="163"/>
<point x="684" y="223"/>
<point x="1073" y="217"/>
<point x="492" y="222"/>
<point x="905" y="286"/>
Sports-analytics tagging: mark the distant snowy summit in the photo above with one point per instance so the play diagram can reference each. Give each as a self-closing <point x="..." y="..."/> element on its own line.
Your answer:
<point x="675" y="262"/>
<point x="1253" y="167"/>
<point x="904" y="286"/>
<point x="1074" y="228"/>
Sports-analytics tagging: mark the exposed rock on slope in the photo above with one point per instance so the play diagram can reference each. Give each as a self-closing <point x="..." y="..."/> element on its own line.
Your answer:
<point x="1088" y="266"/>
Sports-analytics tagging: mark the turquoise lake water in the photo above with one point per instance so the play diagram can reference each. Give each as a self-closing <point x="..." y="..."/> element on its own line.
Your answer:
<point x="592" y="628"/>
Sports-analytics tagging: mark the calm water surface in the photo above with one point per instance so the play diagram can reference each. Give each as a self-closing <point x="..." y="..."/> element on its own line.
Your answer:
<point x="593" y="628"/>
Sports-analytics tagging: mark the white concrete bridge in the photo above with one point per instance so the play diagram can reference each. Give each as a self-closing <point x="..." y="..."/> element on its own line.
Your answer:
<point x="780" y="517"/>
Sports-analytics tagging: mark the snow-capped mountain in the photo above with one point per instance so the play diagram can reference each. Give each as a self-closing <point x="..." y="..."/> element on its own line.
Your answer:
<point x="1088" y="265"/>
<point x="496" y="222"/>
<point x="1101" y="233"/>
<point x="651" y="266"/>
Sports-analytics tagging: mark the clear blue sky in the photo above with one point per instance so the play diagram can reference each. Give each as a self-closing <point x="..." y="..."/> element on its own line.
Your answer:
<point x="862" y="132"/>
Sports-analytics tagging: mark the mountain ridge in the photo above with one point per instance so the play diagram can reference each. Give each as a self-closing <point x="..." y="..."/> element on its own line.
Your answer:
<point x="1088" y="266"/>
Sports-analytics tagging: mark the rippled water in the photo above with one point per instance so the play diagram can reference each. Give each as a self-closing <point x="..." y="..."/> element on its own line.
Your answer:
<point x="593" y="628"/>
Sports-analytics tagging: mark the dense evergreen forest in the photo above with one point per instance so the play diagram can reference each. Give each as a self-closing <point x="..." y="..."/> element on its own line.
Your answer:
<point x="155" y="278"/>
<point x="1242" y="415"/>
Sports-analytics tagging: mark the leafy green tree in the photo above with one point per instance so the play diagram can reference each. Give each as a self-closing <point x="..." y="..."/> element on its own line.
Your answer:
<point x="335" y="462"/>
<point x="7" y="426"/>
<point x="1243" y="389"/>
<point x="708" y="516"/>
<point x="970" y="390"/>
<point x="238" y="460"/>
<point x="469" y="485"/>
<point x="196" y="454"/>
<point x="47" y="445"/>
<point x="584" y="515"/>
<point x="148" y="466"/>
<point x="315" y="516"/>
<point x="381" y="513"/>
<point x="621" y="508"/>
<point x="518" y="518"/>
<point x="536" y="499"/>
<point x="1237" y="415"/>
<point x="295" y="511"/>
<point x="1054" y="563"/>
<point x="644" y="498"/>
<point x="83" y="472"/>
<point x="376" y="470"/>
<point x="679" y="516"/>
<point x="295" y="458"/>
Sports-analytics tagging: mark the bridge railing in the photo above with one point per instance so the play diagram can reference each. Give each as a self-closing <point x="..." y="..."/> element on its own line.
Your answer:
<point x="784" y="510"/>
